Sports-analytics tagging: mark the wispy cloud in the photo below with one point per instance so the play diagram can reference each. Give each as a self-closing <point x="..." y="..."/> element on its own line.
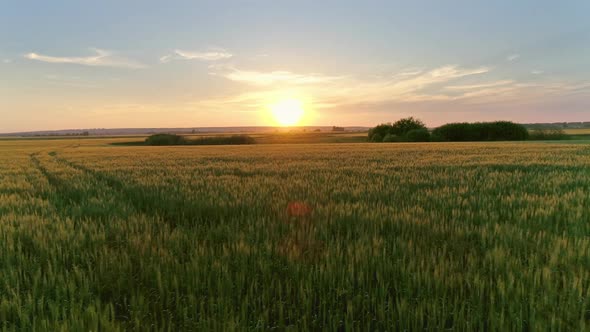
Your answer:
<point x="522" y="92"/>
<point x="102" y="58"/>
<point x="210" y="55"/>
<point x="6" y="60"/>
<point x="512" y="57"/>
<point x="271" y="77"/>
<point x="434" y="76"/>
<point x="408" y="72"/>
<point x="334" y="91"/>
<point x="479" y="86"/>
<point x="537" y="72"/>
<point x="408" y="88"/>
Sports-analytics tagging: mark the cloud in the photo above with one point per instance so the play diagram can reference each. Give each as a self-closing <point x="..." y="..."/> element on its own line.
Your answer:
<point x="479" y="86"/>
<point x="537" y="72"/>
<point x="103" y="58"/>
<point x="521" y="93"/>
<point x="335" y="91"/>
<point x="271" y="77"/>
<point x="494" y="91"/>
<point x="512" y="57"/>
<point x="434" y="76"/>
<point x="409" y="72"/>
<point x="411" y="88"/>
<point x="6" y="61"/>
<point x="211" y="55"/>
<point x="417" y="85"/>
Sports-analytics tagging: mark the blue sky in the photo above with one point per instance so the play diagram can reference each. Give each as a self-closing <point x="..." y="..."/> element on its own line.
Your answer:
<point x="75" y="64"/>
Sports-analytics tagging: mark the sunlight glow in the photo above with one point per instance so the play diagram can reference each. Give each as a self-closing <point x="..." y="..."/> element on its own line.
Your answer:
<point x="287" y="112"/>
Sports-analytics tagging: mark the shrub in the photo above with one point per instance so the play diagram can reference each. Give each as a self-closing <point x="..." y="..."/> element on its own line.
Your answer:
<point x="481" y="131"/>
<point x="388" y="138"/>
<point x="376" y="137"/>
<point x="436" y="138"/>
<point x="506" y="131"/>
<point x="165" y="139"/>
<point x="170" y="139"/>
<point x="455" y="132"/>
<point x="379" y="132"/>
<point x="391" y="138"/>
<point x="403" y="126"/>
<point x="418" y="135"/>
<point x="397" y="130"/>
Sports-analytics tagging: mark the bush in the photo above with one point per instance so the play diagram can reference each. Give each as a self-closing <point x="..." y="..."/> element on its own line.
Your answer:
<point x="397" y="130"/>
<point x="548" y="134"/>
<point x="418" y="135"/>
<point x="404" y="126"/>
<point x="436" y="138"/>
<point x="481" y="131"/>
<point x="171" y="139"/>
<point x="376" y="137"/>
<point x="506" y="131"/>
<point x="379" y="132"/>
<point x="454" y="132"/>
<point x="165" y="139"/>
<point x="389" y="138"/>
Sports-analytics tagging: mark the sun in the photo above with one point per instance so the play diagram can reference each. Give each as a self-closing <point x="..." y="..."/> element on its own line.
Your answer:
<point x="287" y="112"/>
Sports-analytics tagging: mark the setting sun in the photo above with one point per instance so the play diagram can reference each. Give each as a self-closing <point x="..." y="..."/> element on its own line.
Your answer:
<point x="287" y="112"/>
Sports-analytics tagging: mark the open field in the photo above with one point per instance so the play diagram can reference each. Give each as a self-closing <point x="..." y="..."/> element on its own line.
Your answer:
<point x="462" y="236"/>
<point x="581" y="134"/>
<point x="285" y="136"/>
<point x="296" y="137"/>
<point x="577" y="131"/>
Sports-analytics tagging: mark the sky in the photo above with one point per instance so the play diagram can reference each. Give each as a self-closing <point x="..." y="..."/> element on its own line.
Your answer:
<point x="122" y="64"/>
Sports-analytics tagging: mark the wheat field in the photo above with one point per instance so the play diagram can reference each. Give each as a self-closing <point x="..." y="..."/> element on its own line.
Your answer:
<point x="433" y="236"/>
<point x="577" y="131"/>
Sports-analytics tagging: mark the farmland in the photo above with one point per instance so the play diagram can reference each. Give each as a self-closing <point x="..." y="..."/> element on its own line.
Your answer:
<point x="463" y="236"/>
<point x="577" y="131"/>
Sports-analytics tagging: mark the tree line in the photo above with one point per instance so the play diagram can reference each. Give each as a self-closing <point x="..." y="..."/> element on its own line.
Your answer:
<point x="172" y="139"/>
<point x="414" y="130"/>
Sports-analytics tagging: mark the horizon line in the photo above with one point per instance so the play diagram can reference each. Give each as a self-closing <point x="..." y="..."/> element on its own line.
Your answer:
<point x="224" y="127"/>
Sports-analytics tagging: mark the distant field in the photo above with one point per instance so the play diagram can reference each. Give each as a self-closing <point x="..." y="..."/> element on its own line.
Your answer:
<point x="581" y="131"/>
<point x="278" y="137"/>
<point x="298" y="137"/>
<point x="261" y="138"/>
<point x="458" y="236"/>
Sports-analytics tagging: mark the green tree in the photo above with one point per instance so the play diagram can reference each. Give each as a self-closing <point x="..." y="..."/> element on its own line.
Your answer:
<point x="377" y="133"/>
<point x="418" y="135"/>
<point x="481" y="131"/>
<point x="377" y="138"/>
<point x="396" y="132"/>
<point x="403" y="126"/>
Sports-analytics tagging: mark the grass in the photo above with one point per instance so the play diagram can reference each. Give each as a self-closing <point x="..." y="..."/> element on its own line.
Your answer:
<point x="462" y="236"/>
